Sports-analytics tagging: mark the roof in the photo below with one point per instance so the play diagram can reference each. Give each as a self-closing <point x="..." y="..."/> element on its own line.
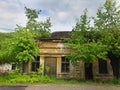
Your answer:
<point x="58" y="35"/>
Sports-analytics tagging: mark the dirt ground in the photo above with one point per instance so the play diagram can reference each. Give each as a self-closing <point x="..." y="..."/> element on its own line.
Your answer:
<point x="70" y="87"/>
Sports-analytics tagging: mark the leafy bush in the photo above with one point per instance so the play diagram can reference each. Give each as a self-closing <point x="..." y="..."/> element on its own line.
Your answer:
<point x="45" y="79"/>
<point x="116" y="81"/>
<point x="14" y="78"/>
<point x="40" y="70"/>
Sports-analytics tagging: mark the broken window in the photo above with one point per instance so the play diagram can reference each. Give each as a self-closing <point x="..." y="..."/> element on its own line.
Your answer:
<point x="102" y="66"/>
<point x="36" y="64"/>
<point x="65" y="65"/>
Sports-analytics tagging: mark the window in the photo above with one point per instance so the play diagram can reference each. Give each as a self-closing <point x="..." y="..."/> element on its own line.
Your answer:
<point x="65" y="65"/>
<point x="36" y="64"/>
<point x="13" y="66"/>
<point x="102" y="66"/>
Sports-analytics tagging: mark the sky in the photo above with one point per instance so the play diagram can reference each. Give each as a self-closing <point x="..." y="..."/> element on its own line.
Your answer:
<point x="63" y="13"/>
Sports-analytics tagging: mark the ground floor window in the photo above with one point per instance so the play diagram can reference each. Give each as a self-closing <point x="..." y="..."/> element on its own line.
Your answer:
<point x="102" y="66"/>
<point x="36" y="64"/>
<point x="13" y="66"/>
<point x="65" y="65"/>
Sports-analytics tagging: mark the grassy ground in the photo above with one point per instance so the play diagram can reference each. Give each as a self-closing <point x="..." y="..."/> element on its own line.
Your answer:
<point x="14" y="78"/>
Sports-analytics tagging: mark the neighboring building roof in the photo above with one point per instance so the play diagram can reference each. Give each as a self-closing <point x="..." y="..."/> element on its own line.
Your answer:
<point x="58" y="35"/>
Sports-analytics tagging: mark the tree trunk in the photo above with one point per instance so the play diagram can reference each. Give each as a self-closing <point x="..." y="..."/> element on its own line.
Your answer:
<point x="26" y="67"/>
<point x="115" y="63"/>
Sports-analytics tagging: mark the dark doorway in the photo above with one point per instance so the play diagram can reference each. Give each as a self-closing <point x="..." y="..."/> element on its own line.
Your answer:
<point x="88" y="71"/>
<point x="50" y="66"/>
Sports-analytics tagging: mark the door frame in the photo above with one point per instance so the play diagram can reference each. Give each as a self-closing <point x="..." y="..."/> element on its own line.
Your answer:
<point x="50" y="58"/>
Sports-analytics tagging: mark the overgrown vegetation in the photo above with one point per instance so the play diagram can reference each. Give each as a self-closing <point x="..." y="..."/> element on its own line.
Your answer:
<point x="21" y="46"/>
<point x="101" y="40"/>
<point x="4" y="47"/>
<point x="15" y="78"/>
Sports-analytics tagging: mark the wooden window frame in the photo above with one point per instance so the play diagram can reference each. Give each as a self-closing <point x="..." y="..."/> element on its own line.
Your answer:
<point x="36" y="64"/>
<point x="65" y="65"/>
<point x="102" y="64"/>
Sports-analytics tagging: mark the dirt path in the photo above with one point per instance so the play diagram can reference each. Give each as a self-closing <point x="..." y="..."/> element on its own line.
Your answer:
<point x="70" y="87"/>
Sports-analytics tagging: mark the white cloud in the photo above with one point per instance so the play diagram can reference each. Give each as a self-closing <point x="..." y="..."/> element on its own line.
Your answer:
<point x="11" y="14"/>
<point x="63" y="13"/>
<point x="62" y="27"/>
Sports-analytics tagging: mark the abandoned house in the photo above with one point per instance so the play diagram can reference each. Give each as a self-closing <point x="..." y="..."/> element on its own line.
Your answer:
<point x="53" y="55"/>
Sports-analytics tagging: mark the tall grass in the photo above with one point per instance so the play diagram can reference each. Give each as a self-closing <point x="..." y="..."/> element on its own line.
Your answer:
<point x="17" y="78"/>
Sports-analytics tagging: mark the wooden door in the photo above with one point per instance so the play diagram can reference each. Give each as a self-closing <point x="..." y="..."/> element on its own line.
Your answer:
<point x="50" y="66"/>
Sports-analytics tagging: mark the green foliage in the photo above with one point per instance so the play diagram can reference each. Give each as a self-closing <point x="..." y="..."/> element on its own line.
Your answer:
<point x="15" y="78"/>
<point x="108" y="24"/>
<point x="21" y="46"/>
<point x="83" y="24"/>
<point x="115" y="81"/>
<point x="37" y="28"/>
<point x="3" y="36"/>
<point x="31" y="14"/>
<point x="83" y="44"/>
<point x="40" y="70"/>
<point x="88" y="52"/>
<point x="47" y="69"/>
<point x="97" y="41"/>
<point x="4" y="47"/>
<point x="108" y="16"/>
<point x="25" y="46"/>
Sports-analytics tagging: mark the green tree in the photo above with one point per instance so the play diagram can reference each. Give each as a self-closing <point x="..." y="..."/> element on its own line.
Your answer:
<point x="107" y="23"/>
<point x="100" y="41"/>
<point x="22" y="46"/>
<point x="83" y="44"/>
<point x="3" y="47"/>
<point x="39" y="29"/>
<point x="25" y="45"/>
